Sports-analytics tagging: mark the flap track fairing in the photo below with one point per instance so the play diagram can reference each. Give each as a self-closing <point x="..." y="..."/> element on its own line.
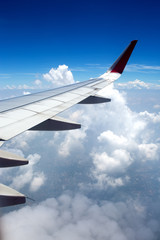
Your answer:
<point x="56" y="124"/>
<point x="94" y="100"/>
<point x="8" y="159"/>
<point x="9" y="196"/>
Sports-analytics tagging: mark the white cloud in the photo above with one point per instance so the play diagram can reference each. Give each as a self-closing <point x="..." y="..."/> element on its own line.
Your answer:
<point x="28" y="175"/>
<point x="22" y="141"/>
<point x="73" y="140"/>
<point x="149" y="151"/>
<point x="78" y="218"/>
<point x="37" y="181"/>
<point x="105" y="166"/>
<point x="109" y="136"/>
<point x="121" y="136"/>
<point x="26" y="93"/>
<point x="150" y="117"/>
<point x="60" y="76"/>
<point x="38" y="82"/>
<point x="116" y="162"/>
<point x="112" y="138"/>
<point x="104" y="181"/>
<point x="137" y="84"/>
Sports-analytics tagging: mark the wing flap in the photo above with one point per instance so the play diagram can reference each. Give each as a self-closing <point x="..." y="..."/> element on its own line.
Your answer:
<point x="94" y="100"/>
<point x="56" y="124"/>
<point x="9" y="196"/>
<point x="8" y="159"/>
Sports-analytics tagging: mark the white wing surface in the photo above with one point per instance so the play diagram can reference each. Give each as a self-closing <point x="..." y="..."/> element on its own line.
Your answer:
<point x="39" y="112"/>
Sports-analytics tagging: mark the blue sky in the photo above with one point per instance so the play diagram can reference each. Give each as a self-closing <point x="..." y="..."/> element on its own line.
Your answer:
<point x="87" y="36"/>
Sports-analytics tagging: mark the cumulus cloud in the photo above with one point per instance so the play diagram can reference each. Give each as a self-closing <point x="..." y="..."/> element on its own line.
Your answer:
<point x="150" y="117"/>
<point x="119" y="159"/>
<point x="78" y="217"/>
<point x="118" y="137"/>
<point x="109" y="136"/>
<point x="60" y="76"/>
<point x="149" y="151"/>
<point x="28" y="175"/>
<point x="23" y="140"/>
<point x="37" y="181"/>
<point x="72" y="141"/>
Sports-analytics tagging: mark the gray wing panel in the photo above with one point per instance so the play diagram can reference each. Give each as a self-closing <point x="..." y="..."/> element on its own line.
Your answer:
<point x="16" y="102"/>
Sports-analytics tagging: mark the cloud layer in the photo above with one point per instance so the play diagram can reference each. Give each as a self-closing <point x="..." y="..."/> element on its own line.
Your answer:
<point x="110" y="166"/>
<point x="77" y="218"/>
<point x="111" y="140"/>
<point x="138" y="84"/>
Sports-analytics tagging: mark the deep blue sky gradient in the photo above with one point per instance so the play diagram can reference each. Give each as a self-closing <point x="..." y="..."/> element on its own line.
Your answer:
<point x="37" y="35"/>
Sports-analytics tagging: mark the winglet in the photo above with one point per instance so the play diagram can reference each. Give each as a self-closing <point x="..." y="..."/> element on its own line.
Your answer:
<point x="119" y="65"/>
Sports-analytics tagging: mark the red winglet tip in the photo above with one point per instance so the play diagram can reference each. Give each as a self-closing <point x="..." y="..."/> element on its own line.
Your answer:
<point x="119" y="65"/>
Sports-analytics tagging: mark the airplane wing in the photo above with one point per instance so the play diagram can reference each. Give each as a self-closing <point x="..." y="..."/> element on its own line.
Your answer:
<point x="40" y="111"/>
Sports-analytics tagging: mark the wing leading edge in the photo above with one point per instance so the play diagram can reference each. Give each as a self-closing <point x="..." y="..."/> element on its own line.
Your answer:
<point x="39" y="112"/>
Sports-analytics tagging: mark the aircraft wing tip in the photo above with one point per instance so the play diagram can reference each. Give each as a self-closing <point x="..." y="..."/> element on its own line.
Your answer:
<point x="119" y="65"/>
<point x="134" y="41"/>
